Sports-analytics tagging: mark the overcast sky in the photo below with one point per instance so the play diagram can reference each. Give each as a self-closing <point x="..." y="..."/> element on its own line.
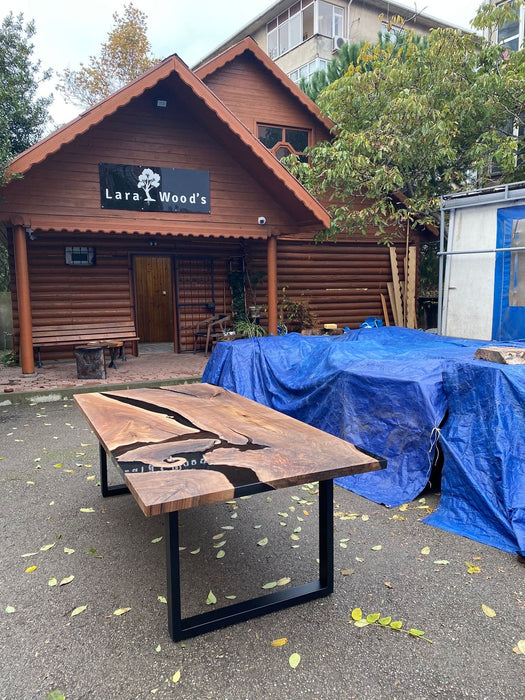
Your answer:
<point x="68" y="32"/>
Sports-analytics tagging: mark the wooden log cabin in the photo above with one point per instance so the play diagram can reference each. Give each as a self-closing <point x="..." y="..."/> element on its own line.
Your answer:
<point x="137" y="211"/>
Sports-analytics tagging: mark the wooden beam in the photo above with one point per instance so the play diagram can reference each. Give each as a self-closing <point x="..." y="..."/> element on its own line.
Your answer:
<point x="410" y="289"/>
<point x="396" y="288"/>
<point x="385" y="310"/>
<point x="24" y="301"/>
<point x="272" y="284"/>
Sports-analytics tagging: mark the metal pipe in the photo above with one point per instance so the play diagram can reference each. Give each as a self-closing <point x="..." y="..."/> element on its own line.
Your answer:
<point x="441" y="265"/>
<point x="474" y="252"/>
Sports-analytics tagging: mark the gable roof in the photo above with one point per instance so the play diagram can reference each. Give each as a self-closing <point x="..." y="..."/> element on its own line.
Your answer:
<point x="249" y="151"/>
<point x="249" y="46"/>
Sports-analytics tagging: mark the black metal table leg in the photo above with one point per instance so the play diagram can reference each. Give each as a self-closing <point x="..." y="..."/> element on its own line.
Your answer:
<point x="108" y="490"/>
<point x="239" y="612"/>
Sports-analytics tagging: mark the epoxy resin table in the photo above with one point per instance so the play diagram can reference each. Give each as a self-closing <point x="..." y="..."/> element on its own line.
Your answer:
<point x="194" y="444"/>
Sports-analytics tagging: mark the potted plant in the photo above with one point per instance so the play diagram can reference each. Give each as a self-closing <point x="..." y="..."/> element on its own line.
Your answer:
<point x="254" y="309"/>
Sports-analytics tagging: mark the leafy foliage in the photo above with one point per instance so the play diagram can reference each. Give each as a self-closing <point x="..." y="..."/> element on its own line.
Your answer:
<point x="420" y="122"/>
<point x="23" y="115"/>
<point x="349" y="55"/>
<point x="123" y="57"/>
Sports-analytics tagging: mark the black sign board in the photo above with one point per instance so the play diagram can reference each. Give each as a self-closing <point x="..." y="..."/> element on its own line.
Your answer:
<point x="147" y="188"/>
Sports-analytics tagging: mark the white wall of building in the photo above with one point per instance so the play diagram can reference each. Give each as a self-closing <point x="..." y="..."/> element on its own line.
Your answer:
<point x="468" y="294"/>
<point x="468" y="290"/>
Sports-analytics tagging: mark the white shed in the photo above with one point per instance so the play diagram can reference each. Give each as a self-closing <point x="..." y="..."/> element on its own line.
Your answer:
<point x="482" y="264"/>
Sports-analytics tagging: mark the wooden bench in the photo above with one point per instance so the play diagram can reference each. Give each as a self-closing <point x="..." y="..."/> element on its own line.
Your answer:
<point x="82" y="333"/>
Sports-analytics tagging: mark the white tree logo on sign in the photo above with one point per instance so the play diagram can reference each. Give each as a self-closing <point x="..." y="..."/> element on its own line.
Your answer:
<point x="147" y="180"/>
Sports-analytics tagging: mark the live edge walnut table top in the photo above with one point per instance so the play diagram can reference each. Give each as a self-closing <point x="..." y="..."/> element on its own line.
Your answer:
<point x="188" y="445"/>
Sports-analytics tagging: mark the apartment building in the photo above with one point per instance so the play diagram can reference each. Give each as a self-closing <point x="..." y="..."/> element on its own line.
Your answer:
<point x="303" y="36"/>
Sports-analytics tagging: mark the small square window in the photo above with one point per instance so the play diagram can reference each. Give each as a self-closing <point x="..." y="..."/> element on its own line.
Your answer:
<point x="80" y="255"/>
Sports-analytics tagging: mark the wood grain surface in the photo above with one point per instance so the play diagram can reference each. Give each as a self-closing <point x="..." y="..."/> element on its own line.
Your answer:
<point x="192" y="444"/>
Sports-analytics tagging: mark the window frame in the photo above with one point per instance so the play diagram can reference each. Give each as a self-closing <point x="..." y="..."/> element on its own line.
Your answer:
<point x="282" y="142"/>
<point x="80" y="255"/>
<point x="283" y="23"/>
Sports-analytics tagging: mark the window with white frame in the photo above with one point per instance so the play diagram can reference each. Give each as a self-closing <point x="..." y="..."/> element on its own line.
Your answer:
<point x="300" y="22"/>
<point x="308" y="70"/>
<point x="391" y="31"/>
<point x="510" y="34"/>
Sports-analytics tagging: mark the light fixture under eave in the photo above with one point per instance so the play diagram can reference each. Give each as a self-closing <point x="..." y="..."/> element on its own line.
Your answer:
<point x="161" y="104"/>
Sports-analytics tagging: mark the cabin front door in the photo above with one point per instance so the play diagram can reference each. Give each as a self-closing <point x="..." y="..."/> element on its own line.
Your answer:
<point x="154" y="298"/>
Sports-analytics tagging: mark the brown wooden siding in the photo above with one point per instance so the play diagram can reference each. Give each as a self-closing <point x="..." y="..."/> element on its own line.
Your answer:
<point x="256" y="97"/>
<point x="66" y="186"/>
<point x="63" y="295"/>
<point x="341" y="282"/>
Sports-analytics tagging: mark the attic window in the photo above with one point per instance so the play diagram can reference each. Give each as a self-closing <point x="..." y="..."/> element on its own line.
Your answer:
<point x="80" y="255"/>
<point x="282" y="141"/>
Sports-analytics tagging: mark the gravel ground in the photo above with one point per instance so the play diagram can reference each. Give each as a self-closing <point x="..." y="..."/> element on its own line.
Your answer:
<point x="386" y="561"/>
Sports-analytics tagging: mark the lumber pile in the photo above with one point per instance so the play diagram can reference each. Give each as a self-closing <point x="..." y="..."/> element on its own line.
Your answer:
<point x="402" y="293"/>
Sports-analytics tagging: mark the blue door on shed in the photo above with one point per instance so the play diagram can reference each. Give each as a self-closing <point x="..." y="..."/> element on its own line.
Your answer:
<point x="509" y="289"/>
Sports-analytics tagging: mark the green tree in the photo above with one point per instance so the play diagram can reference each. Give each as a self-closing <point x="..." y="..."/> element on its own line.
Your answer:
<point x="23" y="115"/>
<point x="417" y="124"/>
<point x="123" y="57"/>
<point x="348" y="55"/>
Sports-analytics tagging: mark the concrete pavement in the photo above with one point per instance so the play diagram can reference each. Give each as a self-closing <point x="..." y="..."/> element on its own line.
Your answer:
<point x="386" y="562"/>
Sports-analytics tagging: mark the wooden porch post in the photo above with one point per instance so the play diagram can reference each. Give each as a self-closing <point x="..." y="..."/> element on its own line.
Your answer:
<point x="272" y="284"/>
<point x="24" y="301"/>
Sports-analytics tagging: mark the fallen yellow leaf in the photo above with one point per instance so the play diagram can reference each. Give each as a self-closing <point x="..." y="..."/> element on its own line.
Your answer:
<point x="489" y="612"/>
<point x="30" y="569"/>
<point x="294" y="660"/>
<point x="279" y="642"/>
<point x="121" y="611"/>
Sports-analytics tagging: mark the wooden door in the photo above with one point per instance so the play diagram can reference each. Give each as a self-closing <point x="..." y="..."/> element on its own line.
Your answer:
<point x="154" y="298"/>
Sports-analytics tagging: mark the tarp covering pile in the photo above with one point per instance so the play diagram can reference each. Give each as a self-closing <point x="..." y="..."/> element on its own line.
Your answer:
<point x="388" y="390"/>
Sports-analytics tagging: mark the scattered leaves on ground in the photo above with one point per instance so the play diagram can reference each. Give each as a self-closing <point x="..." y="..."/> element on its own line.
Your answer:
<point x="78" y="610"/>
<point x="279" y="642"/>
<point x="294" y="660"/>
<point x="489" y="612"/>
<point x="472" y="568"/>
<point x="520" y="647"/>
<point x="121" y="611"/>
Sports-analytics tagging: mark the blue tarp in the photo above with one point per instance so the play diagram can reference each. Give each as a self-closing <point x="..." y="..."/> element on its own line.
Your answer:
<point x="483" y="439"/>
<point x="387" y="390"/>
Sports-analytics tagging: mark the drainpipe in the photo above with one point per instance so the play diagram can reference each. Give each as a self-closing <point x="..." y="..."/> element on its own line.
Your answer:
<point x="24" y="301"/>
<point x="272" y="284"/>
